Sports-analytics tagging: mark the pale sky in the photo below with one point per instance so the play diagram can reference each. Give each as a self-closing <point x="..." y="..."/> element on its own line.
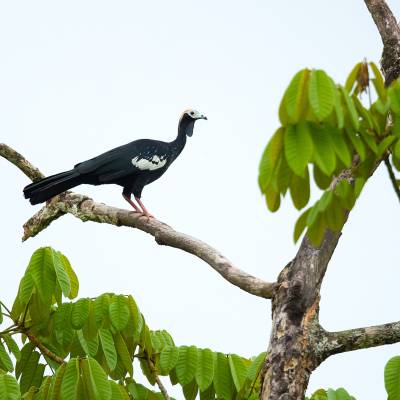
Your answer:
<point x="80" y="77"/>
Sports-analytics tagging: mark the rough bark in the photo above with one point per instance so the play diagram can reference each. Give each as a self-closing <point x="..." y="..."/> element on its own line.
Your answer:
<point x="298" y="344"/>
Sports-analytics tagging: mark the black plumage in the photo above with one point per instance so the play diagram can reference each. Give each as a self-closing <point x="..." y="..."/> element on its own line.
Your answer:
<point x="132" y="166"/>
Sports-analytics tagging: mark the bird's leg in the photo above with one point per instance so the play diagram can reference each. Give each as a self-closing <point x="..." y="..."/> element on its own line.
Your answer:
<point x="145" y="212"/>
<point x="128" y="199"/>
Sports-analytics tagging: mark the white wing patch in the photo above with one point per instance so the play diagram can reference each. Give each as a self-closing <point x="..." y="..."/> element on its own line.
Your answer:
<point x="143" y="164"/>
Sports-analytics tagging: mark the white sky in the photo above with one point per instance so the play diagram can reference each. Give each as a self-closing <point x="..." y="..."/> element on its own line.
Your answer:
<point x="78" y="78"/>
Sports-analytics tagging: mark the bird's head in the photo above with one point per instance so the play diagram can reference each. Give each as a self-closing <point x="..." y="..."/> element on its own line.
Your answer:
<point x="188" y="118"/>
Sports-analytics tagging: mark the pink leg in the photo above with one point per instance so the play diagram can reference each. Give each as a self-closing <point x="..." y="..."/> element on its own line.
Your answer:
<point x="145" y="212"/>
<point x="128" y="199"/>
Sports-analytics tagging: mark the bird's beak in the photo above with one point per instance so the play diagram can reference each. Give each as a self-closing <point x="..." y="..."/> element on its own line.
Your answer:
<point x="204" y="117"/>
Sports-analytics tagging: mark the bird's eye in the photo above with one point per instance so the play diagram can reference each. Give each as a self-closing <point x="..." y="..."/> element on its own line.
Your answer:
<point x="191" y="113"/>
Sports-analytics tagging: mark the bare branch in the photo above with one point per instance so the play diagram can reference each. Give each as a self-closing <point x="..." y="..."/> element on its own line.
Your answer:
<point x="86" y="209"/>
<point x="361" y="338"/>
<point x="20" y="162"/>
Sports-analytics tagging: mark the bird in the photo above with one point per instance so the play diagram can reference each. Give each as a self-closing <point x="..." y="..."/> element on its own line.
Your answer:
<point x="132" y="166"/>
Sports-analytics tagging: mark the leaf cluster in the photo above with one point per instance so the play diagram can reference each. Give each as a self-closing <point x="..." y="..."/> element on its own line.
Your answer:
<point x="89" y="346"/>
<point x="325" y="130"/>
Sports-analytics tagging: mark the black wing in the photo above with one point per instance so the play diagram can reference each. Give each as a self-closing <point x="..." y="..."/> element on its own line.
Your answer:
<point x="125" y="160"/>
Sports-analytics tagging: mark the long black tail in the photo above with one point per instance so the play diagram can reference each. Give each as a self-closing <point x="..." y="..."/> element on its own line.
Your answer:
<point x="43" y="190"/>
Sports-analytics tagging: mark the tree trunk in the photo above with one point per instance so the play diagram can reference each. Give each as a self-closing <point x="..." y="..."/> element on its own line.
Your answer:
<point x="298" y="344"/>
<point x="293" y="351"/>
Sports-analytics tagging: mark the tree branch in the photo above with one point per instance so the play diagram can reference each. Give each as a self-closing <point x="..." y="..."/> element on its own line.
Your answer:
<point x="20" y="162"/>
<point x="43" y="349"/>
<point x="360" y="338"/>
<point x="86" y="209"/>
<point x="390" y="34"/>
<point x="392" y="177"/>
<point x="160" y="385"/>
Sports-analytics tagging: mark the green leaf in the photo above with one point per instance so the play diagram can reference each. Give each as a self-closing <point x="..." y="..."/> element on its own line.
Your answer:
<point x="61" y="274"/>
<point x="320" y="178"/>
<point x="392" y="378"/>
<point x="73" y="279"/>
<point x="384" y="145"/>
<point x="238" y="370"/>
<point x="41" y="269"/>
<point x="208" y="394"/>
<point x="119" y="312"/>
<point x="118" y="392"/>
<point x="28" y="373"/>
<point x="55" y="387"/>
<point x="255" y="366"/>
<point x="205" y="369"/>
<point x="123" y="353"/>
<point x="12" y="346"/>
<point x="357" y="143"/>
<point x="342" y="394"/>
<point x="396" y="150"/>
<point x="9" y="389"/>
<point x="107" y="344"/>
<point x="324" y="150"/>
<point x="135" y="315"/>
<point x="338" y="110"/>
<point x="295" y="97"/>
<point x="365" y="114"/>
<point x="38" y="377"/>
<point x="301" y="224"/>
<point x="5" y="359"/>
<point x="99" y="383"/>
<point x="168" y="358"/>
<point x="26" y="353"/>
<point x="80" y="313"/>
<point x="341" y="148"/>
<point x="369" y="140"/>
<point x="101" y="308"/>
<point x="321" y="94"/>
<point x="138" y="391"/>
<point x="282" y="176"/>
<point x="273" y="199"/>
<point x="70" y="381"/>
<point x="316" y="231"/>
<point x="270" y="158"/>
<point x="187" y="364"/>
<point x="190" y="390"/>
<point x="394" y="96"/>
<point x="378" y="81"/>
<point x="62" y="324"/>
<point x="298" y="147"/>
<point x="351" y="79"/>
<point x="350" y="108"/>
<point x="223" y="384"/>
<point x="300" y="190"/>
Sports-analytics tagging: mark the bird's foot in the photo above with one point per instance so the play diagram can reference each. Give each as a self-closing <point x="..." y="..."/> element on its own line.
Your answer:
<point x="148" y="215"/>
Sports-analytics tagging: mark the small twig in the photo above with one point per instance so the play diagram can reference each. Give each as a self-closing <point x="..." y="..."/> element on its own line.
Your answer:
<point x="392" y="177"/>
<point x="12" y="328"/>
<point x="43" y="349"/>
<point x="160" y="385"/>
<point x="5" y="307"/>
